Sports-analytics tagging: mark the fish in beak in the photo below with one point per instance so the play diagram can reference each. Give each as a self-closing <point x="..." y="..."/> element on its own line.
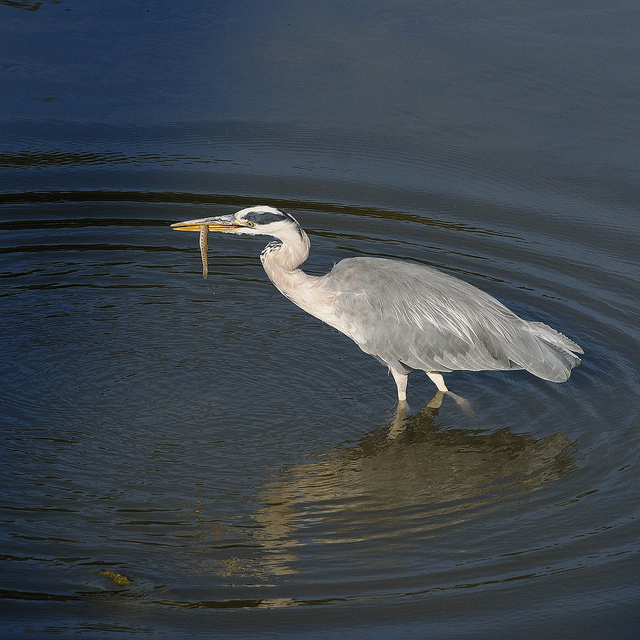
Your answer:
<point x="225" y="224"/>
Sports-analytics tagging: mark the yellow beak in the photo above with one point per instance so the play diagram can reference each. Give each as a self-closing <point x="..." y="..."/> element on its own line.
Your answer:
<point x="221" y="223"/>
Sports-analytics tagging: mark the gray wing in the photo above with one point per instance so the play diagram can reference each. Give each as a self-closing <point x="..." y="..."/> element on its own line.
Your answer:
<point x="415" y="317"/>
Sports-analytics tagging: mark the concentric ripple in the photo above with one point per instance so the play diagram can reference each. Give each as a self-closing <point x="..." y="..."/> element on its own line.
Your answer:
<point x="220" y="449"/>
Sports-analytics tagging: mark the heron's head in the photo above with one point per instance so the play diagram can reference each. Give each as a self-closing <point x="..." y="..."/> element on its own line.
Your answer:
<point x="254" y="221"/>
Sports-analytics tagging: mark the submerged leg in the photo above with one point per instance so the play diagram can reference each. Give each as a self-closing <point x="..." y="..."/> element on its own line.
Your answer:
<point x="463" y="403"/>
<point x="438" y="380"/>
<point x="401" y="383"/>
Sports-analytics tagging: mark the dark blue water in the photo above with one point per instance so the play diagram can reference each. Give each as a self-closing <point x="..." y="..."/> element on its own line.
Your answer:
<point x="199" y="458"/>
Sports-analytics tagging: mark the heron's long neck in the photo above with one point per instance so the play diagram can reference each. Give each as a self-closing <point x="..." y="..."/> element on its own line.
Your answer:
<point x="282" y="260"/>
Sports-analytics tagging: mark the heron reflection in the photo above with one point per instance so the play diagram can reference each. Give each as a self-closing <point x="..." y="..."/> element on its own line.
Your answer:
<point x="412" y="475"/>
<point x="407" y="315"/>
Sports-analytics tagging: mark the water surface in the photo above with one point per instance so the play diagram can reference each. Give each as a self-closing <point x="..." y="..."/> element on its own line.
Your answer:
<point x="239" y="463"/>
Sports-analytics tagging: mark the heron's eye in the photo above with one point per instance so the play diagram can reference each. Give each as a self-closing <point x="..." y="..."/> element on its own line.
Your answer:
<point x="249" y="223"/>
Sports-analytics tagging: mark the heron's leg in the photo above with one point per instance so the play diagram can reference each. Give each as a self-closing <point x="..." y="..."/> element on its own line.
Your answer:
<point x="438" y="380"/>
<point x="401" y="383"/>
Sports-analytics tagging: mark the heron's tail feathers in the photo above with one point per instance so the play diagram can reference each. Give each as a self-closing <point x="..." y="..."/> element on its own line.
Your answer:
<point x="554" y="337"/>
<point x="561" y="353"/>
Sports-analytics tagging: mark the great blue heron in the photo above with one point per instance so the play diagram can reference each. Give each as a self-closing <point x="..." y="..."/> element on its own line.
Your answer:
<point x="407" y="315"/>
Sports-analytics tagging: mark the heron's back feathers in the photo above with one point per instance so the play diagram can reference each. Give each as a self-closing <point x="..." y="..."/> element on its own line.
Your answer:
<point x="411" y="316"/>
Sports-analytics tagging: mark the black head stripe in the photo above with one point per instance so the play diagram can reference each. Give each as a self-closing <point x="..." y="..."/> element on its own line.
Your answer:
<point x="266" y="217"/>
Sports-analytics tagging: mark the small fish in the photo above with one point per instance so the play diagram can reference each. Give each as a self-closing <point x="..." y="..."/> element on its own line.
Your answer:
<point x="116" y="578"/>
<point x="204" y="248"/>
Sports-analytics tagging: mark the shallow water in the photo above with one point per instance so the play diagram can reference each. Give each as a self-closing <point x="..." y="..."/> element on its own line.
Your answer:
<point x="241" y="464"/>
